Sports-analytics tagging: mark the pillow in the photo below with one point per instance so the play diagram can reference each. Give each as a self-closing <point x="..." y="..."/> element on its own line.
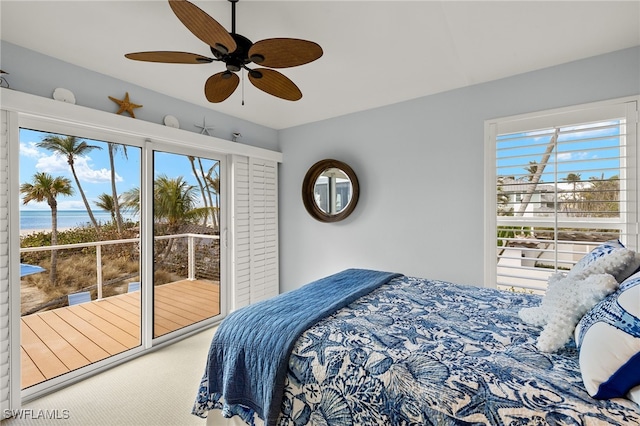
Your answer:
<point x="567" y="299"/>
<point x="610" y="257"/>
<point x="608" y="338"/>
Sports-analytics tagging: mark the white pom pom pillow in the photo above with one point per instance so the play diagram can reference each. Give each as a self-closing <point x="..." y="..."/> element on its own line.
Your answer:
<point x="569" y="297"/>
<point x="565" y="302"/>
<point x="608" y="338"/>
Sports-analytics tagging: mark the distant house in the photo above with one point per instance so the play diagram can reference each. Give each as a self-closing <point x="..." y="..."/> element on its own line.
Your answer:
<point x="542" y="201"/>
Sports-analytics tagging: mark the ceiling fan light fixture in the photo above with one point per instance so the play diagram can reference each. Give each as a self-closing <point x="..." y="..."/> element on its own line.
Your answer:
<point x="221" y="48"/>
<point x="257" y="58"/>
<point x="227" y="75"/>
<point x="255" y="74"/>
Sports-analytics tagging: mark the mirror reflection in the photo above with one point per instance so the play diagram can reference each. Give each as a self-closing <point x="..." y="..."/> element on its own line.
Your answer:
<point x="332" y="191"/>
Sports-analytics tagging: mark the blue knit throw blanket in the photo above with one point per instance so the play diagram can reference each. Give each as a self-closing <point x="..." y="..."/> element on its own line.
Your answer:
<point x="249" y="354"/>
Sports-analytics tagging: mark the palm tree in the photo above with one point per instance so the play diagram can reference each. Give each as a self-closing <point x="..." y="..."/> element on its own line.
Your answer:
<point x="106" y="202"/>
<point x="208" y="191"/>
<point x="214" y="184"/>
<point x="537" y="170"/>
<point x="503" y="206"/>
<point x="195" y="173"/>
<point x="207" y="184"/>
<point x="71" y="147"/>
<point x="174" y="204"/>
<point x="532" y="169"/>
<point x="44" y="187"/>
<point x="131" y="200"/>
<point x="113" y="148"/>
<point x="174" y="201"/>
<point x="574" y="178"/>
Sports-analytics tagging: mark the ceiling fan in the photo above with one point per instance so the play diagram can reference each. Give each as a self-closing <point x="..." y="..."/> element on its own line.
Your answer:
<point x="237" y="52"/>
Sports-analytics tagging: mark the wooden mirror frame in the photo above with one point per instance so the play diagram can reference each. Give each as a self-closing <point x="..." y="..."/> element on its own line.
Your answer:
<point x="308" y="187"/>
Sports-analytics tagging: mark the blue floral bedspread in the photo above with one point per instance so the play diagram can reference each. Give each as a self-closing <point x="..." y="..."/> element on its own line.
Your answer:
<point x="427" y="352"/>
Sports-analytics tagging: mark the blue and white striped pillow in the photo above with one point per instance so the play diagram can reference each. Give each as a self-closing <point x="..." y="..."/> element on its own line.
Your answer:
<point x="608" y="338"/>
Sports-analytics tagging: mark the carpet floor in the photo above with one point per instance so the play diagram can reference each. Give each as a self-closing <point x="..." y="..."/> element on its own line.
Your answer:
<point x="158" y="388"/>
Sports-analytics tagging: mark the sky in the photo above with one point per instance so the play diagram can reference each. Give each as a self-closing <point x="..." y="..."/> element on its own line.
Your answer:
<point x="591" y="151"/>
<point x="94" y="171"/>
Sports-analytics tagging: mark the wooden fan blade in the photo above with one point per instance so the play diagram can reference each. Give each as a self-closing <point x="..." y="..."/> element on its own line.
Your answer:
<point x="203" y="26"/>
<point x="284" y="52"/>
<point x="169" y="57"/>
<point x="220" y="86"/>
<point x="275" y="84"/>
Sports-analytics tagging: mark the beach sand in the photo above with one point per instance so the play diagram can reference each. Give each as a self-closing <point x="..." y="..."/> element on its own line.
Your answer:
<point x="24" y="232"/>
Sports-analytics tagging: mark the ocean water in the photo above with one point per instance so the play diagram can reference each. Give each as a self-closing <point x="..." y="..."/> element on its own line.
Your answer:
<point x="41" y="219"/>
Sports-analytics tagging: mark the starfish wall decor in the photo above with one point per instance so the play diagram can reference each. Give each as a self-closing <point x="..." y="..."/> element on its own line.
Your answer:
<point x="204" y="128"/>
<point x="126" y="105"/>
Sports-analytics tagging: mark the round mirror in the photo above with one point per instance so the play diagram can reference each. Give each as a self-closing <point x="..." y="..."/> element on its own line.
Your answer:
<point x="330" y="190"/>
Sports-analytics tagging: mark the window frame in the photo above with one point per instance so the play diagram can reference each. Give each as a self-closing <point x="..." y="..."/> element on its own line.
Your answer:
<point x="557" y="117"/>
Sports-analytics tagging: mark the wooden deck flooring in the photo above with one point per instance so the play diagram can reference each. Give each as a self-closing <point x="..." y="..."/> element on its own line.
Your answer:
<point x="61" y="340"/>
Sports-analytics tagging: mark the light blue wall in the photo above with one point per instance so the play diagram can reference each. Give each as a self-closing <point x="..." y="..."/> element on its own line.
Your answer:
<point x="420" y="168"/>
<point x="38" y="74"/>
<point x="420" y="163"/>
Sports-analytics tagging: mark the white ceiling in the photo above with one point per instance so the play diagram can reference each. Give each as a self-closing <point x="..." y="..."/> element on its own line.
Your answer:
<point x="375" y="52"/>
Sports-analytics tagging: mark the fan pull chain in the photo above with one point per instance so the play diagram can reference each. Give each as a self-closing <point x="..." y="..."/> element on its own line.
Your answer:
<point x="243" y="87"/>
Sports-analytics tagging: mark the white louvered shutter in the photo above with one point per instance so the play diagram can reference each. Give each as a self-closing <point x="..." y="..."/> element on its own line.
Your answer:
<point x="5" y="347"/>
<point x="264" y="228"/>
<point x="565" y="182"/>
<point x="254" y="229"/>
<point x="240" y="233"/>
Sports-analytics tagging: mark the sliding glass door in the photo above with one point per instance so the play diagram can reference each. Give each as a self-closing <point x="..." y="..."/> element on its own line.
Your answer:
<point x="186" y="240"/>
<point x="119" y="249"/>
<point x="79" y="253"/>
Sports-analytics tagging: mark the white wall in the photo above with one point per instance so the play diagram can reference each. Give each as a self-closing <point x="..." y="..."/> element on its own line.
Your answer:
<point x="420" y="168"/>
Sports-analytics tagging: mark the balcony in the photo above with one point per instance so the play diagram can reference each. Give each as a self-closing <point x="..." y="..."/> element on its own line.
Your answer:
<point x="65" y="339"/>
<point x="60" y="340"/>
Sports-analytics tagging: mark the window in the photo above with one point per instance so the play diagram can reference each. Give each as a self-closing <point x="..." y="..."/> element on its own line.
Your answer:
<point x="561" y="183"/>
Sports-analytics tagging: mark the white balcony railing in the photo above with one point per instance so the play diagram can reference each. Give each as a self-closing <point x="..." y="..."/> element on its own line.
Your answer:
<point x="191" y="238"/>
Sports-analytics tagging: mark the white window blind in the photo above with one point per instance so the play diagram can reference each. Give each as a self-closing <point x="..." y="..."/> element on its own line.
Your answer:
<point x="564" y="182"/>
<point x="255" y="231"/>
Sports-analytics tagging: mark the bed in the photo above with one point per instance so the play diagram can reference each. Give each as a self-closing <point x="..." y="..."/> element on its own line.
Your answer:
<point x="397" y="350"/>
